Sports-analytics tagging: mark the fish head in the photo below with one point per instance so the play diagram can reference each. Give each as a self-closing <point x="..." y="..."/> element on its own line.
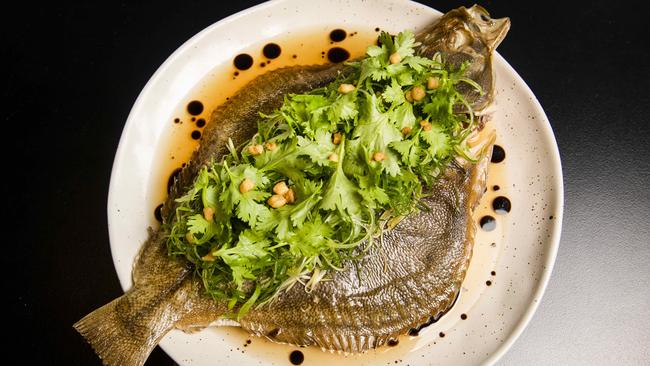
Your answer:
<point x="467" y="35"/>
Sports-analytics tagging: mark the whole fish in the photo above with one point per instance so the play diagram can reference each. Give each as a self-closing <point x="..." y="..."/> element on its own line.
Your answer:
<point x="410" y="274"/>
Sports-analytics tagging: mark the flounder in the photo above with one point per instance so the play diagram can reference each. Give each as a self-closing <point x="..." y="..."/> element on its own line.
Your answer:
<point x="412" y="273"/>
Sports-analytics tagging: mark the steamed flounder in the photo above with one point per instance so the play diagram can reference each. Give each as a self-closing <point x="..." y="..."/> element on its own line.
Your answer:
<point x="413" y="272"/>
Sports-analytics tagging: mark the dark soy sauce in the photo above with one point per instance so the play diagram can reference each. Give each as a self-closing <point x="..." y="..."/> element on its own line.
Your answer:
<point x="338" y="35"/>
<point x="488" y="223"/>
<point x="243" y="61"/>
<point x="271" y="50"/>
<point x="498" y="154"/>
<point x="337" y="54"/>
<point x="195" y="108"/>
<point x="172" y="178"/>
<point x="158" y="213"/>
<point x="296" y="358"/>
<point x="501" y="205"/>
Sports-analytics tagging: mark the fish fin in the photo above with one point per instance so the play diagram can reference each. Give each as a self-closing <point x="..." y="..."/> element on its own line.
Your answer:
<point x="126" y="330"/>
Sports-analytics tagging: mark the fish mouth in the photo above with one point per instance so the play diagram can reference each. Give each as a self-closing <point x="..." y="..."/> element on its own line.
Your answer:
<point x="493" y="30"/>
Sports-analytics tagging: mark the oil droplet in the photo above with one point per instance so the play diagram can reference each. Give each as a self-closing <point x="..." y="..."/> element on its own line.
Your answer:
<point x="488" y="223"/>
<point x="501" y="205"/>
<point x="243" y="61"/>
<point x="338" y="35"/>
<point x="337" y="54"/>
<point x="195" y="108"/>
<point x="271" y="50"/>
<point x="296" y="358"/>
<point x="498" y="154"/>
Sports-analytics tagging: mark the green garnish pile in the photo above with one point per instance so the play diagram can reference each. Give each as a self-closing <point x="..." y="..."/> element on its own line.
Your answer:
<point x="354" y="155"/>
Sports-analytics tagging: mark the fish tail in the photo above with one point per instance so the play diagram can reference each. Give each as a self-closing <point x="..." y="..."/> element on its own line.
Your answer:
<point x="126" y="330"/>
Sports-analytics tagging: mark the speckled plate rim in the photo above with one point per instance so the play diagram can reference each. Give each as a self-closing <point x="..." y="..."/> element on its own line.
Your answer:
<point x="118" y="175"/>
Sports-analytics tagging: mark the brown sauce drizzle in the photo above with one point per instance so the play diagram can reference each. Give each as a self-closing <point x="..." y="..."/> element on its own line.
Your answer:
<point x="158" y="213"/>
<point x="488" y="223"/>
<point x="498" y="154"/>
<point x="501" y="205"/>
<point x="296" y="358"/>
<point x="338" y="35"/>
<point x="243" y="61"/>
<point x="271" y="50"/>
<point x="172" y="178"/>
<point x="337" y="54"/>
<point x="195" y="108"/>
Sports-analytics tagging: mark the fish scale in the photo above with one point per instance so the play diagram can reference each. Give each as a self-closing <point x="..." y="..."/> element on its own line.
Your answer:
<point x="410" y="274"/>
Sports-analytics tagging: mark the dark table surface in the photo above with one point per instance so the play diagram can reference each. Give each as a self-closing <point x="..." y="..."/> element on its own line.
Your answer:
<point x="74" y="72"/>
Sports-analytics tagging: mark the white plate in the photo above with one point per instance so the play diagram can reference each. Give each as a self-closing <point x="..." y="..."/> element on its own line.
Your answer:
<point x="525" y="242"/>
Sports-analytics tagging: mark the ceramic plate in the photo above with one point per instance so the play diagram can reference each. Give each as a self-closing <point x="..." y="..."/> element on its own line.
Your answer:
<point x="511" y="264"/>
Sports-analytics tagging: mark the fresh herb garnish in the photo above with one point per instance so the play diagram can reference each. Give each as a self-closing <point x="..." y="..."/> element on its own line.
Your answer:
<point x="322" y="176"/>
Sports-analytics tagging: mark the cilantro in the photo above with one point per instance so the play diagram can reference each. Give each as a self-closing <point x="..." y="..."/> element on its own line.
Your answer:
<point x="351" y="161"/>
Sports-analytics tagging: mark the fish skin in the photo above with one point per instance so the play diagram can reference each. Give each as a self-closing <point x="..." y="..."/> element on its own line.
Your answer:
<point x="167" y="295"/>
<point x="414" y="272"/>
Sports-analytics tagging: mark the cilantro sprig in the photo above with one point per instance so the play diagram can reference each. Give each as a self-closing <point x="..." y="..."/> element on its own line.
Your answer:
<point x="354" y="154"/>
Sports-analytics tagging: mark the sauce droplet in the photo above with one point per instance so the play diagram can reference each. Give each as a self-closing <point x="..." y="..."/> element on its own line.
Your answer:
<point x="243" y="61"/>
<point x="271" y="50"/>
<point x="495" y="188"/>
<point x="488" y="223"/>
<point x="488" y="282"/>
<point x="337" y="54"/>
<point x="493" y="273"/>
<point x="463" y="316"/>
<point x="393" y="342"/>
<point x="158" y="213"/>
<point x="296" y="358"/>
<point x="377" y="29"/>
<point x="200" y="123"/>
<point x="498" y="154"/>
<point x="442" y="335"/>
<point x="195" y="108"/>
<point x="501" y="205"/>
<point x="196" y="134"/>
<point x="172" y="178"/>
<point x="338" y="35"/>
<point x="177" y="120"/>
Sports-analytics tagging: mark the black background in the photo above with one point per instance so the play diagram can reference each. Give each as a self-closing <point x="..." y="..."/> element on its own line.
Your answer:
<point x="75" y="70"/>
